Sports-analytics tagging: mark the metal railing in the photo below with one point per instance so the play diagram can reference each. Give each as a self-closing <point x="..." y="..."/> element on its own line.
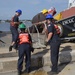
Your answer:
<point x="37" y="43"/>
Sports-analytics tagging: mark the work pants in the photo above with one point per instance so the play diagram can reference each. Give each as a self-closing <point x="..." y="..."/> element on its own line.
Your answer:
<point x="24" y="50"/>
<point x="54" y="46"/>
<point x="15" y="34"/>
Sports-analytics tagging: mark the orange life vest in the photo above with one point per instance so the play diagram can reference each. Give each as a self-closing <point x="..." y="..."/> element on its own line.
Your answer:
<point x="57" y="29"/>
<point x="12" y="22"/>
<point x="23" y="38"/>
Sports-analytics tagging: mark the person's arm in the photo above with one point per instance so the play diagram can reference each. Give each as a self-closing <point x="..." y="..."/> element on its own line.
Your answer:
<point x="49" y="36"/>
<point x="50" y="33"/>
<point x="16" y="23"/>
<point x="31" y="45"/>
<point x="16" y="20"/>
<point x="30" y="39"/>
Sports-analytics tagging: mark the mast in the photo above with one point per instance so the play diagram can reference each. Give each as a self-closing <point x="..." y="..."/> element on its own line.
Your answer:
<point x="71" y="3"/>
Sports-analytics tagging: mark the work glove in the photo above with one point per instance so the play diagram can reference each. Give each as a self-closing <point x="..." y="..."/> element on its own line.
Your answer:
<point x="10" y="48"/>
<point x="32" y="49"/>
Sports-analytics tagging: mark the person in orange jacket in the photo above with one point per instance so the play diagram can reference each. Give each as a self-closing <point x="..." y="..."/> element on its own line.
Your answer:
<point x="24" y="49"/>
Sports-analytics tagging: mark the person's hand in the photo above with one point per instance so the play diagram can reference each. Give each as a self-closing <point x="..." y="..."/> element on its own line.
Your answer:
<point x="20" y="22"/>
<point x="32" y="49"/>
<point x="44" y="21"/>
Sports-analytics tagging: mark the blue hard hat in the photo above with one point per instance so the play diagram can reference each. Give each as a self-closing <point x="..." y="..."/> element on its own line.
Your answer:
<point x="49" y="16"/>
<point x="19" y="11"/>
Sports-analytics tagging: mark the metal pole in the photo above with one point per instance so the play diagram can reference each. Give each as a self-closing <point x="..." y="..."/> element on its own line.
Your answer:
<point x="38" y="34"/>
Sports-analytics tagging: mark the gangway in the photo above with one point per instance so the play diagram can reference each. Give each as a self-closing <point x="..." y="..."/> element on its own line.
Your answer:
<point x="37" y="38"/>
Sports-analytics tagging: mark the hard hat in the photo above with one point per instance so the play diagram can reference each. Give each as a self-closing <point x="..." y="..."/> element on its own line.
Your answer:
<point x="49" y="16"/>
<point x="19" y="11"/>
<point x="44" y="11"/>
<point x="22" y="26"/>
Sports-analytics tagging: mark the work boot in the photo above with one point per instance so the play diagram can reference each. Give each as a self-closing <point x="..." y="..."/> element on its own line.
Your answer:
<point x="27" y="70"/>
<point x="19" y="72"/>
<point x="10" y="48"/>
<point x="52" y="73"/>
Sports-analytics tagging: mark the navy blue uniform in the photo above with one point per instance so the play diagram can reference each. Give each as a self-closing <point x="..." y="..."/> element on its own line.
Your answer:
<point x="14" y="30"/>
<point x="54" y="46"/>
<point x="24" y="49"/>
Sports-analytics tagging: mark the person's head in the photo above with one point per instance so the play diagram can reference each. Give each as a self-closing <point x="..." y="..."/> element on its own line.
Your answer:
<point x="18" y="12"/>
<point x="49" y="18"/>
<point x="22" y="27"/>
<point x="44" y="11"/>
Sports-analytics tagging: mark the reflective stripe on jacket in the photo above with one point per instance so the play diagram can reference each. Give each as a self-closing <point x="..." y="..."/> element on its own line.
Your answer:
<point x="23" y="38"/>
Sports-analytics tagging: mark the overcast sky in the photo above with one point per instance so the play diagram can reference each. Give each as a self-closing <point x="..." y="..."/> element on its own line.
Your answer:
<point x="29" y="8"/>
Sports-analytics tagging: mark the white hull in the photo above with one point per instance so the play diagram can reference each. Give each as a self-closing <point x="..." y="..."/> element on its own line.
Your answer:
<point x="71" y="3"/>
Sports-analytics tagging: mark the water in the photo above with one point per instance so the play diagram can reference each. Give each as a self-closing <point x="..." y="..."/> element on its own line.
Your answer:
<point x="5" y="26"/>
<point x="27" y="23"/>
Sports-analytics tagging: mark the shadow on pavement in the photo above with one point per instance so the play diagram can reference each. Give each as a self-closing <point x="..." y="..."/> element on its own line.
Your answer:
<point x="65" y="59"/>
<point x="40" y="60"/>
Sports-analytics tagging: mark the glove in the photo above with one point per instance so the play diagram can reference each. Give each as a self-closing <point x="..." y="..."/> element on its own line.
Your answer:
<point x="10" y="48"/>
<point x="45" y="43"/>
<point x="32" y="49"/>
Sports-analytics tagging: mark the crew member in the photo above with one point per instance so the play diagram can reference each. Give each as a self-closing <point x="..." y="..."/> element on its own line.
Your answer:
<point x="54" y="41"/>
<point x="45" y="12"/>
<point x="24" y="49"/>
<point x="14" y="29"/>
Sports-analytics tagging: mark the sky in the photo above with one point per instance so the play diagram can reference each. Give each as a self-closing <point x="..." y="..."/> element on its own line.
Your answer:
<point x="29" y="8"/>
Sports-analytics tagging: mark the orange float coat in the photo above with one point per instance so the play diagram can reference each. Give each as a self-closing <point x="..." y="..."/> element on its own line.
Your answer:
<point x="57" y="29"/>
<point x="24" y="38"/>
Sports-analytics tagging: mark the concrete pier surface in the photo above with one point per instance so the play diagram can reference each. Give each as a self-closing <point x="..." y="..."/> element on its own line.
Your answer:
<point x="65" y="69"/>
<point x="41" y="56"/>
